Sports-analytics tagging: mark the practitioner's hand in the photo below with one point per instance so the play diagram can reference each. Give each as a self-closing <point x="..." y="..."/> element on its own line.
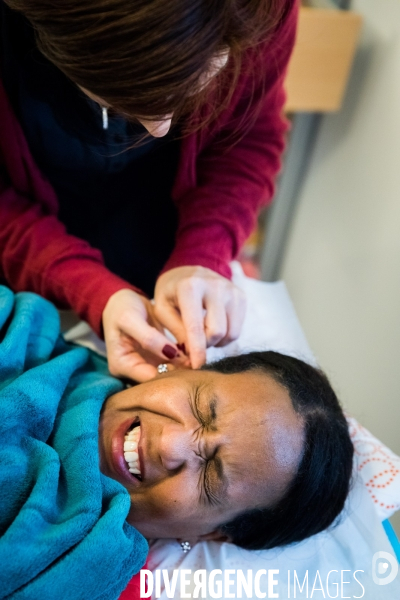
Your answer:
<point x="200" y="308"/>
<point x="135" y="342"/>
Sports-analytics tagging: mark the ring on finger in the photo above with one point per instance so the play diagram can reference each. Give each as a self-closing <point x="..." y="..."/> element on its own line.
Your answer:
<point x="162" y="368"/>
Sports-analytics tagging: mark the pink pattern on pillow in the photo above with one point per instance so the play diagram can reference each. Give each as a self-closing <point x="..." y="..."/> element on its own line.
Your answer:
<point x="378" y="467"/>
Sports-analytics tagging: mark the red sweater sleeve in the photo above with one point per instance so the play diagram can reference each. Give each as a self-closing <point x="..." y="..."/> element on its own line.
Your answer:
<point x="217" y="193"/>
<point x="36" y="253"/>
<point x="218" y="211"/>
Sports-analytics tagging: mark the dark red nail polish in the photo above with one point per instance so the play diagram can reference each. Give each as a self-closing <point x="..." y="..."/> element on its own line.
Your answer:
<point x="182" y="347"/>
<point x="169" y="351"/>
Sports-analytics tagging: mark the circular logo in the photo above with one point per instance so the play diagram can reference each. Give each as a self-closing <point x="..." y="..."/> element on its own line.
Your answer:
<point x="384" y="568"/>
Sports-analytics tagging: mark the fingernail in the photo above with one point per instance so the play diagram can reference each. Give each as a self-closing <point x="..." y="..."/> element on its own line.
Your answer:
<point x="169" y="351"/>
<point x="181" y="347"/>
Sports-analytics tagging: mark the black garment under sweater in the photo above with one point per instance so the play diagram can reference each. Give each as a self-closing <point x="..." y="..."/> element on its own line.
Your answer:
<point x="116" y="198"/>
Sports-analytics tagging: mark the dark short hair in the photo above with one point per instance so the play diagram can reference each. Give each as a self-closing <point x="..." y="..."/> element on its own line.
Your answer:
<point x="317" y="493"/>
<point x="145" y="57"/>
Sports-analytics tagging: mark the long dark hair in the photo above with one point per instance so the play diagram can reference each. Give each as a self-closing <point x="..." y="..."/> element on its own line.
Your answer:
<point x="145" y="58"/>
<point x="317" y="493"/>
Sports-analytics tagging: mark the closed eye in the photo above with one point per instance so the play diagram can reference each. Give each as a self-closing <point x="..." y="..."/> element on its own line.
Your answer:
<point x="209" y="485"/>
<point x="214" y="482"/>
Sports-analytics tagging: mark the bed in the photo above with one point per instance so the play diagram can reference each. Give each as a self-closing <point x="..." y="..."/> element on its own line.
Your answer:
<point x="358" y="558"/>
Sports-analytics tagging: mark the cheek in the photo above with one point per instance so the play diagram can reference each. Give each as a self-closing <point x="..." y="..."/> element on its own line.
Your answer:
<point x="170" y="500"/>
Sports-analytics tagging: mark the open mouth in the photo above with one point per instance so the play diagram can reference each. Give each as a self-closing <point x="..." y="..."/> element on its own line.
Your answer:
<point x="131" y="453"/>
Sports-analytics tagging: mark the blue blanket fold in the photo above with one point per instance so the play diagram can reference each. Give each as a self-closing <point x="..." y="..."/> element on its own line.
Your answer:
<point x="63" y="532"/>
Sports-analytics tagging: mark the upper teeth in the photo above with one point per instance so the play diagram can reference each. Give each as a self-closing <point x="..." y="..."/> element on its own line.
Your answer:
<point x="130" y="450"/>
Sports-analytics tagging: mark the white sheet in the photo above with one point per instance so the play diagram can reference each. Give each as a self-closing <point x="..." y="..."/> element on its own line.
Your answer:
<point x="348" y="547"/>
<point x="271" y="323"/>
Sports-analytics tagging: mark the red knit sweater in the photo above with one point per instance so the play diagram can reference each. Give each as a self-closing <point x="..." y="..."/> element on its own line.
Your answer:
<point x="217" y="192"/>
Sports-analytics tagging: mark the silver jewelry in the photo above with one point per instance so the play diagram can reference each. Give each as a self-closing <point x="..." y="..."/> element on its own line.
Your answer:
<point x="163" y="368"/>
<point x="104" y="113"/>
<point x="185" y="547"/>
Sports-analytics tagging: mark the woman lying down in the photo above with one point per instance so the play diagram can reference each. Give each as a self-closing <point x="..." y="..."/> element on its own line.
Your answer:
<point x="253" y="450"/>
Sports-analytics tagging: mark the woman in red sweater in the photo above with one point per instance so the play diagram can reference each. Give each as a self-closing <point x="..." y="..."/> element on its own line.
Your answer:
<point x="137" y="142"/>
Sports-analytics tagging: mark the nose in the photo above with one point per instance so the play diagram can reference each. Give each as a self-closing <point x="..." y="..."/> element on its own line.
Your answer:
<point x="157" y="128"/>
<point x="177" y="446"/>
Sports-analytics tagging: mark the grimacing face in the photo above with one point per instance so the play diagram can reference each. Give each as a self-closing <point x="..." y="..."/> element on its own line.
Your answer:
<point x="210" y="446"/>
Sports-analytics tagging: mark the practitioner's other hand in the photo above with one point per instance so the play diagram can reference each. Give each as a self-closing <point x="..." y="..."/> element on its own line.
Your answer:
<point x="134" y="340"/>
<point x="200" y="308"/>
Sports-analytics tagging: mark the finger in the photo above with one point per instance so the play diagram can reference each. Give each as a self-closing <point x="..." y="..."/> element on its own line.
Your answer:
<point x="235" y="314"/>
<point x="216" y="322"/>
<point x="140" y="372"/>
<point x="190" y="300"/>
<point x="150" y="339"/>
<point x="133" y="365"/>
<point x="124" y="360"/>
<point x="170" y="318"/>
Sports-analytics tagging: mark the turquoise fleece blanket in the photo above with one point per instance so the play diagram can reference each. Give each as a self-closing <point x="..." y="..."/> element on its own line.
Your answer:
<point x="63" y="532"/>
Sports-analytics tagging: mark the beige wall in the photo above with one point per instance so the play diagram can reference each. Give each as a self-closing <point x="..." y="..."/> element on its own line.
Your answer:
<point x="342" y="265"/>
